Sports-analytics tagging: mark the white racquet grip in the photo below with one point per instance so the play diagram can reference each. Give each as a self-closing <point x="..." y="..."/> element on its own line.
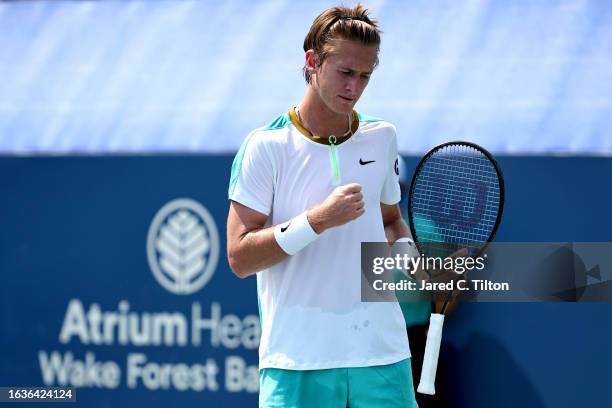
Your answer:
<point x="293" y="235"/>
<point x="432" y="352"/>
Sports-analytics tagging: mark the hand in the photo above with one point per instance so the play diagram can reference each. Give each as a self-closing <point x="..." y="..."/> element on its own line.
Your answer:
<point x="344" y="204"/>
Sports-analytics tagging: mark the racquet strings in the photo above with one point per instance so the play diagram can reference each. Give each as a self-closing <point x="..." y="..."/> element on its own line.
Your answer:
<point x="456" y="200"/>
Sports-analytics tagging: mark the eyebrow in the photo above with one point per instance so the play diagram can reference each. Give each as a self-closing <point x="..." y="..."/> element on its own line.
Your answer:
<point x="354" y="70"/>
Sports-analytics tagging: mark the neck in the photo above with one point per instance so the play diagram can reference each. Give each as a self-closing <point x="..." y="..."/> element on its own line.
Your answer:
<point x="321" y="120"/>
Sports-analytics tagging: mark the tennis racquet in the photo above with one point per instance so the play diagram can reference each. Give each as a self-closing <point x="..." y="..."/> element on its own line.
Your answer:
<point x="456" y="201"/>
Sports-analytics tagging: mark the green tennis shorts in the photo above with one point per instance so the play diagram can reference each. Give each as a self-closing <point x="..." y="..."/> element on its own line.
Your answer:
<point x="363" y="387"/>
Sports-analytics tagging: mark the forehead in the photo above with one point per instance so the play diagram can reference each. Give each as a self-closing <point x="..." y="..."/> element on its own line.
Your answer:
<point x="352" y="54"/>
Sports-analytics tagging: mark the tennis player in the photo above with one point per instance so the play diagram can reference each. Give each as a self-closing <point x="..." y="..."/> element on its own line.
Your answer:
<point x="305" y="191"/>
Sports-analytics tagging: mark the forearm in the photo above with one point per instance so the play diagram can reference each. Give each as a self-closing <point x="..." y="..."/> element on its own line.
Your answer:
<point x="251" y="247"/>
<point x="255" y="250"/>
<point x="396" y="229"/>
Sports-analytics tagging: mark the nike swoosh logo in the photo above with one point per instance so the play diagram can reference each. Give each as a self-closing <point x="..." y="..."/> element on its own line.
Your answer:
<point x="366" y="162"/>
<point x="283" y="229"/>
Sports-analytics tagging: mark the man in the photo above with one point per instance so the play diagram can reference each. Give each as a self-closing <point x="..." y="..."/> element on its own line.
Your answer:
<point x="305" y="191"/>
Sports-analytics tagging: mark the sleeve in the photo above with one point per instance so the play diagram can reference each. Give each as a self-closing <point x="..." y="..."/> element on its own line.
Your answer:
<point x="390" y="193"/>
<point x="252" y="177"/>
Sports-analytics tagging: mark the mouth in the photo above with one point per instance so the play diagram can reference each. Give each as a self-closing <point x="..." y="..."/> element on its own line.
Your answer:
<point x="346" y="99"/>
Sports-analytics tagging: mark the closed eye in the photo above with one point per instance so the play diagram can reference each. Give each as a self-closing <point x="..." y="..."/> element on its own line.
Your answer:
<point x="350" y="72"/>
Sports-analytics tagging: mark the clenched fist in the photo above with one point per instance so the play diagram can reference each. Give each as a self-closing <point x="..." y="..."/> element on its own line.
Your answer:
<point x="344" y="204"/>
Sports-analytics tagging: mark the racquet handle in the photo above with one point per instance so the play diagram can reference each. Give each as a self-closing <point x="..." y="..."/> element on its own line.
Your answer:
<point x="432" y="351"/>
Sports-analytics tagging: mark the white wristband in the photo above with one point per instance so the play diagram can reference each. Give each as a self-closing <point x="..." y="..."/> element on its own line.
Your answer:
<point x="410" y="249"/>
<point x="407" y="246"/>
<point x="293" y="235"/>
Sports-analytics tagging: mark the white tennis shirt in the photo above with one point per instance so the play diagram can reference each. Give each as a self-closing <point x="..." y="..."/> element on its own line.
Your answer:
<point x="310" y="304"/>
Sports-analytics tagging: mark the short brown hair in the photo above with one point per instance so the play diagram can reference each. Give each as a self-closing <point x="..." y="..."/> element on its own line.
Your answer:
<point x="340" y="22"/>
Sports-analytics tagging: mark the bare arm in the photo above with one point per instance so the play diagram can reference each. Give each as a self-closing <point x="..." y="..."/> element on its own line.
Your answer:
<point x="251" y="247"/>
<point x="395" y="226"/>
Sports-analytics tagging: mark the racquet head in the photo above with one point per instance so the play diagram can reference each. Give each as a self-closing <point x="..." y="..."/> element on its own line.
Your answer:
<point x="456" y="199"/>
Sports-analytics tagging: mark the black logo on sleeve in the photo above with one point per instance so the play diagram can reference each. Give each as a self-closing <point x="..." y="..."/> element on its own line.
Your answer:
<point x="283" y="229"/>
<point x="396" y="167"/>
<point x="362" y="162"/>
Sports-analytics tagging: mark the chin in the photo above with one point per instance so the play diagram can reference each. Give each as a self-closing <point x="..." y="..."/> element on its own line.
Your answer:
<point x="339" y="106"/>
<point x="344" y="107"/>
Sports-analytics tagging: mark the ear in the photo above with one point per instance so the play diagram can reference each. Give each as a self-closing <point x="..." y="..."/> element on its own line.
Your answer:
<point x="311" y="60"/>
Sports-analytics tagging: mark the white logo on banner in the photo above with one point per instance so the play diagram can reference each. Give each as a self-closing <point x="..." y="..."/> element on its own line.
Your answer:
<point x="183" y="246"/>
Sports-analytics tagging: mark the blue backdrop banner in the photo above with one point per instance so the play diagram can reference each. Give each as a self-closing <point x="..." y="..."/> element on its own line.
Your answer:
<point x="115" y="281"/>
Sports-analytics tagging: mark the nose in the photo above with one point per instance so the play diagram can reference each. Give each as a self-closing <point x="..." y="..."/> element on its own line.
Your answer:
<point x="352" y="85"/>
<point x="355" y="84"/>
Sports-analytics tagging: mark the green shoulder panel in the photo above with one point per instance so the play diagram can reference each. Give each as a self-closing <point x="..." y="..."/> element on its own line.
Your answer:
<point x="368" y="119"/>
<point x="278" y="123"/>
